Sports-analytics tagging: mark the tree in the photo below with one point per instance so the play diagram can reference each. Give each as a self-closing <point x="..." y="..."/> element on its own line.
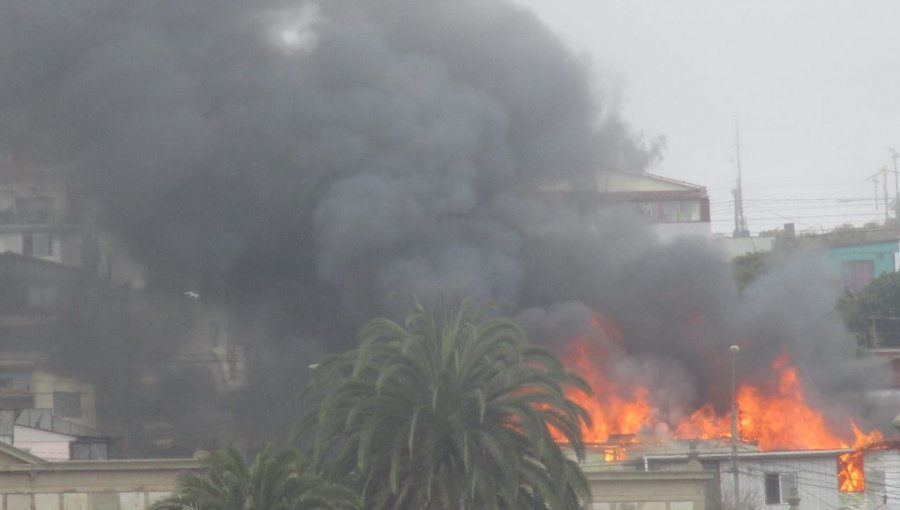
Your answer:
<point x="448" y="412"/>
<point x="874" y="310"/>
<point x="748" y="267"/>
<point x="275" y="481"/>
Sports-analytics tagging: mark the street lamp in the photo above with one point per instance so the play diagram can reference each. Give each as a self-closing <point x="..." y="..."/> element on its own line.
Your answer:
<point x="734" y="431"/>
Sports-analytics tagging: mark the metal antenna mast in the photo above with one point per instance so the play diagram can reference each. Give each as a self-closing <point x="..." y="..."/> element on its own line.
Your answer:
<point x="740" y="225"/>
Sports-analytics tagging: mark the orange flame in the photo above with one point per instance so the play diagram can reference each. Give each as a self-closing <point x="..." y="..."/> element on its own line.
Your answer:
<point x="783" y="420"/>
<point x="610" y="411"/>
<point x="775" y="415"/>
<point x="851" y="475"/>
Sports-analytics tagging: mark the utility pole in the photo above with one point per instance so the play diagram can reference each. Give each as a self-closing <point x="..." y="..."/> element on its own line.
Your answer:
<point x="734" y="429"/>
<point x="894" y="155"/>
<point x="883" y="172"/>
<point x="794" y="499"/>
<point x="740" y="225"/>
<point x="874" y="179"/>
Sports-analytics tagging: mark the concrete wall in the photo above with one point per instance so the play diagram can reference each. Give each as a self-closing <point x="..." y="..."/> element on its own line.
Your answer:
<point x="639" y="490"/>
<point x="110" y="500"/>
<point x="90" y="485"/>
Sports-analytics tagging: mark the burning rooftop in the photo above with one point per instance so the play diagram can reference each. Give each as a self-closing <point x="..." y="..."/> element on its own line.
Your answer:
<point x="774" y="412"/>
<point x="633" y="422"/>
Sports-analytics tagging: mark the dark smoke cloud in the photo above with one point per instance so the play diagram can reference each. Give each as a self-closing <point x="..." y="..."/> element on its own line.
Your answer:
<point x="316" y="164"/>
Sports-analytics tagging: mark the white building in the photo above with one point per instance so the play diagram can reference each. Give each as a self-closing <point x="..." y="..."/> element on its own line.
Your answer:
<point x="28" y="482"/>
<point x="673" y="208"/>
<point x="38" y="217"/>
<point x="765" y="479"/>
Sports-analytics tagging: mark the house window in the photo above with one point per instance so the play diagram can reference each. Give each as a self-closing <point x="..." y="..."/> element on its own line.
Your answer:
<point x="67" y="404"/>
<point x="37" y="245"/>
<point x="667" y="212"/>
<point x="778" y="487"/>
<point x="676" y="211"/>
<point x="89" y="450"/>
<point x="688" y="210"/>
<point x="644" y="210"/>
<point x="15" y="382"/>
<point x="34" y="210"/>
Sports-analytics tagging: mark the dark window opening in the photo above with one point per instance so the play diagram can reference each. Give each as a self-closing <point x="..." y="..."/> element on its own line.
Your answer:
<point x="779" y="486"/>
<point x="67" y="404"/>
<point x="857" y="274"/>
<point x="84" y="450"/>
<point x="37" y="245"/>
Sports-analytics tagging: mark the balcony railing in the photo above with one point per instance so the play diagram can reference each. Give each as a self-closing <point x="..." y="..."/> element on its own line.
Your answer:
<point x="10" y="217"/>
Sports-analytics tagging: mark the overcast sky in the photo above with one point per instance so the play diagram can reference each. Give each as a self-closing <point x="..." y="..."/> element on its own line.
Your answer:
<point x="815" y="85"/>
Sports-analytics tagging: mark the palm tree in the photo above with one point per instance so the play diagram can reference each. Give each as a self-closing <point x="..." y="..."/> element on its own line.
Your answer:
<point x="450" y="413"/>
<point x="275" y="481"/>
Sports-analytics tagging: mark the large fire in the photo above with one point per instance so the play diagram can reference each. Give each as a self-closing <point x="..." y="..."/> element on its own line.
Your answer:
<point x="775" y="415"/>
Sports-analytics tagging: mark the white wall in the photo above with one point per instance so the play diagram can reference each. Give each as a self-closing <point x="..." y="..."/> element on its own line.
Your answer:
<point x="882" y="469"/>
<point x="816" y="479"/>
<point x="43" y="443"/>
<point x="668" y="232"/>
<point x="735" y="246"/>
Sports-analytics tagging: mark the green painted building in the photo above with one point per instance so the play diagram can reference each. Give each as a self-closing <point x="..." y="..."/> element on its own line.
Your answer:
<point x="862" y="262"/>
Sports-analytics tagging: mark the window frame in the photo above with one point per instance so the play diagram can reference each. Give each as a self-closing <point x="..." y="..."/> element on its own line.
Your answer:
<point x="780" y="483"/>
<point x="28" y="245"/>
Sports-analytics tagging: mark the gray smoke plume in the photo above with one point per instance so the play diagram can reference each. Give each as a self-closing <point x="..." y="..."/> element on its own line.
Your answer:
<point x="315" y="164"/>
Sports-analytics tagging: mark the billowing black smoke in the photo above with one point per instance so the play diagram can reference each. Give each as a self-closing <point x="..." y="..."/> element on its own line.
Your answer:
<point x="315" y="164"/>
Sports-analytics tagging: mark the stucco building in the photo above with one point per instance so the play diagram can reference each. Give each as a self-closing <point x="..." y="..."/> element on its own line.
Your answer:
<point x="31" y="483"/>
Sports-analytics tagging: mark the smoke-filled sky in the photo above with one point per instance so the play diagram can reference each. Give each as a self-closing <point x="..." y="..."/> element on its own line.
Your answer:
<point x="813" y="83"/>
<point x="317" y="164"/>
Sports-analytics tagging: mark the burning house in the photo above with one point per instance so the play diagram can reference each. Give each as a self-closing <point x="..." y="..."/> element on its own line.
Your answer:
<point x="289" y="169"/>
<point x="783" y="442"/>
